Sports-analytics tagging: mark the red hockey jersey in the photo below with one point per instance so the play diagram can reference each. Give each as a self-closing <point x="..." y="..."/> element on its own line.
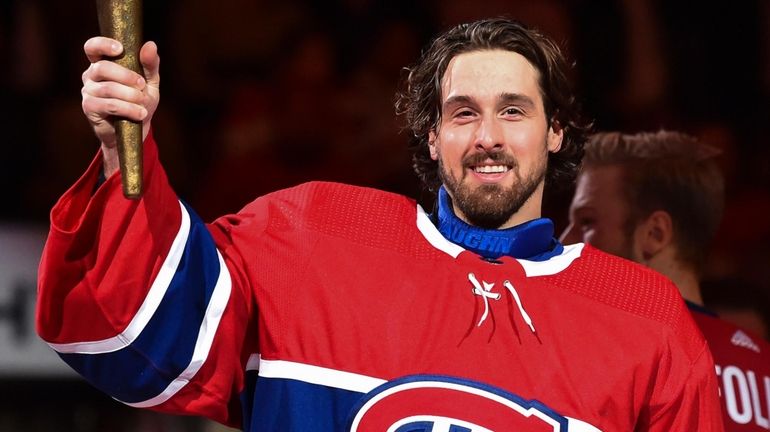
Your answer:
<point x="331" y="307"/>
<point x="743" y="371"/>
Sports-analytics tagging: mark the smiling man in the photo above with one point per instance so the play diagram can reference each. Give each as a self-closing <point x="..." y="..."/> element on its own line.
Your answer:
<point x="496" y="181"/>
<point x="330" y="307"/>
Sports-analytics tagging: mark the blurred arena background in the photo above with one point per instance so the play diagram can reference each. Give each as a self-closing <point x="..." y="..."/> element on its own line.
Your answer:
<point x="260" y="95"/>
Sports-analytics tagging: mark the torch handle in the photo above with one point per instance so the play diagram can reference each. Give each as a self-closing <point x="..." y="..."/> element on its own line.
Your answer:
<point x="122" y="20"/>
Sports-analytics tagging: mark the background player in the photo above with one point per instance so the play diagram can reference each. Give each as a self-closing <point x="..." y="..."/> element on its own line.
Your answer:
<point x="657" y="198"/>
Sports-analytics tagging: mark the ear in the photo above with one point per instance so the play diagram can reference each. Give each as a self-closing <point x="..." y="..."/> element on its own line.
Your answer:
<point x="432" y="144"/>
<point x="655" y="234"/>
<point x="555" y="136"/>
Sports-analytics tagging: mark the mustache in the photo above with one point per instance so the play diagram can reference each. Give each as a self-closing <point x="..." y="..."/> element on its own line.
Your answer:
<point x="482" y="157"/>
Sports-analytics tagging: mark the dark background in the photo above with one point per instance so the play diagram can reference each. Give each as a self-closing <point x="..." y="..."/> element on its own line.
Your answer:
<point x="258" y="95"/>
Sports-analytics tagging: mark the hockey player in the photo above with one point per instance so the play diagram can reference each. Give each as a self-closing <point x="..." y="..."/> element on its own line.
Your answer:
<point x="331" y="307"/>
<point x="657" y="198"/>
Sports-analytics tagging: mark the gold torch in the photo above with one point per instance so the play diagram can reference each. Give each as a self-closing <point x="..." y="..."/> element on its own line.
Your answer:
<point x="122" y="20"/>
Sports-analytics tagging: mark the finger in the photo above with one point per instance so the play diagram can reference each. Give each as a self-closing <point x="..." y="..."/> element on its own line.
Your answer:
<point x="148" y="56"/>
<point x="100" y="47"/>
<point x="113" y="90"/>
<point x="105" y="70"/>
<point x="99" y="109"/>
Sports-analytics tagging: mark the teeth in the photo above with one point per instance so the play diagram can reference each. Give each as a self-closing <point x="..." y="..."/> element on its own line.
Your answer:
<point x="488" y="169"/>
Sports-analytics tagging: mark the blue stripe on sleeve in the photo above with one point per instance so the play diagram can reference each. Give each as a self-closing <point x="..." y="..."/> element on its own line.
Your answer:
<point x="165" y="347"/>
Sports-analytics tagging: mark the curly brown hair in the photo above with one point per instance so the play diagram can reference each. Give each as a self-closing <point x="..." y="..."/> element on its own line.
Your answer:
<point x="419" y="100"/>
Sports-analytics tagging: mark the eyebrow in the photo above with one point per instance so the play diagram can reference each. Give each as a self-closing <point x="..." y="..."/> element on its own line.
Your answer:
<point x="517" y="99"/>
<point x="457" y="101"/>
<point x="504" y="98"/>
<point x="580" y="207"/>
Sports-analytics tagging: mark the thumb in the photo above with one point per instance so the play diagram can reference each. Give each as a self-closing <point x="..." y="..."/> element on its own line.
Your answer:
<point x="150" y="60"/>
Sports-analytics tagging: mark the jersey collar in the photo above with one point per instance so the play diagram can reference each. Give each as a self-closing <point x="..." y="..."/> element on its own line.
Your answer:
<point x="532" y="240"/>
<point x="694" y="307"/>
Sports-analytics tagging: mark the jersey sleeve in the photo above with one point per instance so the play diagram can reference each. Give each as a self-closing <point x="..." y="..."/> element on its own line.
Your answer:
<point x="685" y="396"/>
<point x="138" y="297"/>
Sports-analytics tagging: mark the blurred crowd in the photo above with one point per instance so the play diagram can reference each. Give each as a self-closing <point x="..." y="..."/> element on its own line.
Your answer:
<point x="259" y="95"/>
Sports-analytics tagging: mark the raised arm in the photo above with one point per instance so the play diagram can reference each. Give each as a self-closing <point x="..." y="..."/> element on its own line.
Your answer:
<point x="110" y="91"/>
<point x="138" y="296"/>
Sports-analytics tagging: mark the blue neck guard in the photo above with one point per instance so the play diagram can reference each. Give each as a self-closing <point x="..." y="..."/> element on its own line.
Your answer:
<point x="532" y="240"/>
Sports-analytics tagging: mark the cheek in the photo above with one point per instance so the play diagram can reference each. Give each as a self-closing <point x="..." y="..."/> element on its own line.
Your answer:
<point x="601" y="238"/>
<point x="591" y="236"/>
<point x="449" y="146"/>
<point x="523" y="134"/>
<point x="451" y="137"/>
<point x="526" y="143"/>
<point x="614" y="241"/>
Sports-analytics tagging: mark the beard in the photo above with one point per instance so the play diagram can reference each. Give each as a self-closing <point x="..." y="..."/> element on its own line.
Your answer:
<point x="491" y="205"/>
<point x="627" y="251"/>
<point x="626" y="247"/>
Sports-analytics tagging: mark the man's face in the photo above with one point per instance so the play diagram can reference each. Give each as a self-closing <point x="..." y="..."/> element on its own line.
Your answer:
<point x="599" y="214"/>
<point x="493" y="140"/>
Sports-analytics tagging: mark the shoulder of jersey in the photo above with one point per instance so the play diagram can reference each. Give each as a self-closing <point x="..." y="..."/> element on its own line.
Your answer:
<point x="624" y="285"/>
<point x="362" y="215"/>
<point x="721" y="332"/>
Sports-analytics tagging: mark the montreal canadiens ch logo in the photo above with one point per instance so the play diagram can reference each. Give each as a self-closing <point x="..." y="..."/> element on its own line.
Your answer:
<point x="423" y="403"/>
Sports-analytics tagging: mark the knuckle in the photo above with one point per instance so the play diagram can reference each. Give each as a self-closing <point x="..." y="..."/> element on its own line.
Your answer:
<point x="96" y="69"/>
<point x="139" y="96"/>
<point x="90" y="111"/>
<point x="101" y="90"/>
<point x="88" y="89"/>
<point x="111" y="108"/>
<point x="100" y="68"/>
<point x="89" y="107"/>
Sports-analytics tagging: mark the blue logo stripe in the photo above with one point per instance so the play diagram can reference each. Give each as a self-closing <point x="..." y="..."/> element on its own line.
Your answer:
<point x="521" y="402"/>
<point x="421" y="426"/>
<point x="277" y="404"/>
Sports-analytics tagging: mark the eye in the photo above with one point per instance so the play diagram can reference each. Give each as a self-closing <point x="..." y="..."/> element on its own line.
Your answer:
<point x="464" y="113"/>
<point x="585" y="224"/>
<point x="512" y="111"/>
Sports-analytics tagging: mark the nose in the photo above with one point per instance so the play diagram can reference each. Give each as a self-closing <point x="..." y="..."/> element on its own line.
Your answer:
<point x="570" y="235"/>
<point x="489" y="135"/>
